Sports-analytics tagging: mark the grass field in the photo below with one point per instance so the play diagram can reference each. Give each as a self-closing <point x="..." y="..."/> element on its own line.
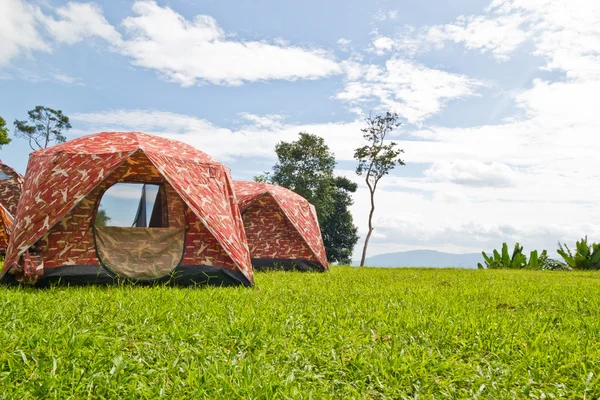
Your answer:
<point x="352" y="333"/>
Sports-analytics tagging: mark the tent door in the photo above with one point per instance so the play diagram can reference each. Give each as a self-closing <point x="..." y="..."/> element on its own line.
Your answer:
<point x="139" y="253"/>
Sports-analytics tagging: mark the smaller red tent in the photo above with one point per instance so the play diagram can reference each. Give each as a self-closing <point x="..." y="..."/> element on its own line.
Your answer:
<point x="281" y="227"/>
<point x="6" y="223"/>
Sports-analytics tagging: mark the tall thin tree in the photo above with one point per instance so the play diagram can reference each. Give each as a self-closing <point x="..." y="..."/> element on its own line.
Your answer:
<point x="376" y="159"/>
<point x="45" y="125"/>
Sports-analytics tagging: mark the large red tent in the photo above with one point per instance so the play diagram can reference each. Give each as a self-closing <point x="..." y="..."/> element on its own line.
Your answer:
<point x="281" y="227"/>
<point x="11" y="183"/>
<point x="6" y="223"/>
<point x="199" y="239"/>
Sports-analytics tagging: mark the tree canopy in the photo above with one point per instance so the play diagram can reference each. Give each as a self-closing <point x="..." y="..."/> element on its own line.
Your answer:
<point x="4" y="139"/>
<point x="43" y="127"/>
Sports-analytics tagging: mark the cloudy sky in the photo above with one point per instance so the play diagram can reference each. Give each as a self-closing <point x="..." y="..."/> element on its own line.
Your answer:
<point x="500" y="100"/>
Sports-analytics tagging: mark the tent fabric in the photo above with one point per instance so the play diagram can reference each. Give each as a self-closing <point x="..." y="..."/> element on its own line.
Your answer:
<point x="279" y="223"/>
<point x="11" y="183"/>
<point x="64" y="184"/>
<point x="6" y="223"/>
<point x="140" y="253"/>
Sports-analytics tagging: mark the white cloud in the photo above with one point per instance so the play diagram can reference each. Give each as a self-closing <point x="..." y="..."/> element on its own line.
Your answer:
<point x="187" y="52"/>
<point x="383" y="45"/>
<point x="467" y="224"/>
<point x="344" y="44"/>
<point x="79" y="21"/>
<point x="386" y="15"/>
<point x="191" y="52"/>
<point x="565" y="32"/>
<point x="473" y="173"/>
<point x="67" y="79"/>
<point x="500" y="36"/>
<point x="256" y="139"/>
<point x="529" y="179"/>
<point x="413" y="90"/>
<point x="269" y="122"/>
<point x="19" y="30"/>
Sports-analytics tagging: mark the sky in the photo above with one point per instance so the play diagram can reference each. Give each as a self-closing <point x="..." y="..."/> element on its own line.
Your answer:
<point x="499" y="99"/>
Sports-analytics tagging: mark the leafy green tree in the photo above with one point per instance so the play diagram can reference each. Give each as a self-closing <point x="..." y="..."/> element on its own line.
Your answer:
<point x="44" y="126"/>
<point x="4" y="139"/>
<point x="102" y="219"/>
<point x="339" y="232"/>
<point x="305" y="166"/>
<point x="376" y="159"/>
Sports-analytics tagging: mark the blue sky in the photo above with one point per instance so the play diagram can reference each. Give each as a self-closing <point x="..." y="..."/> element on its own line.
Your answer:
<point x="498" y="98"/>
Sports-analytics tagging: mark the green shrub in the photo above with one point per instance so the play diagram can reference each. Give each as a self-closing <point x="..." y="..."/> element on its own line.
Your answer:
<point x="518" y="260"/>
<point x="587" y="256"/>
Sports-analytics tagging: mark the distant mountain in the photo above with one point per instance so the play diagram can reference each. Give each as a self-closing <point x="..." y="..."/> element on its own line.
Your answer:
<point x="424" y="258"/>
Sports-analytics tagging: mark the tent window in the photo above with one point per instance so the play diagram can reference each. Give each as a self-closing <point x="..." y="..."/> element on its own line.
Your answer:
<point x="141" y="205"/>
<point x="4" y="176"/>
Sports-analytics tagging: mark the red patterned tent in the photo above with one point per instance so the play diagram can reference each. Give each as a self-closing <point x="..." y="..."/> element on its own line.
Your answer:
<point x="11" y="183"/>
<point x="200" y="238"/>
<point x="6" y="223"/>
<point x="281" y="226"/>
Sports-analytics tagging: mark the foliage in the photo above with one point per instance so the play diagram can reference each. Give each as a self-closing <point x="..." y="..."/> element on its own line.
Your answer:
<point x="339" y="232"/>
<point x="102" y="219"/>
<point x="44" y="126"/>
<point x="4" y="139"/>
<point x="264" y="178"/>
<point x="505" y="261"/>
<point x="586" y="257"/>
<point x="305" y="166"/>
<point x="376" y="159"/>
<point x="354" y="333"/>
<point x="549" y="264"/>
<point x="518" y="260"/>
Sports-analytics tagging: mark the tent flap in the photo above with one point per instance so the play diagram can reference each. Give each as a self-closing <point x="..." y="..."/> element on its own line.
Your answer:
<point x="139" y="253"/>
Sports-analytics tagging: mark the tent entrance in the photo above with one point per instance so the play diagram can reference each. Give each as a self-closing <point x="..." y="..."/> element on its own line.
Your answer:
<point x="146" y="248"/>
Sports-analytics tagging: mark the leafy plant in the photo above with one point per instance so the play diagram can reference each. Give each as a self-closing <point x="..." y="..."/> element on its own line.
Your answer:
<point x="586" y="257"/>
<point x="518" y="260"/>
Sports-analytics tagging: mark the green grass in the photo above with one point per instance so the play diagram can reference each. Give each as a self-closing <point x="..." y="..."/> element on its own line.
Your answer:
<point x="351" y="333"/>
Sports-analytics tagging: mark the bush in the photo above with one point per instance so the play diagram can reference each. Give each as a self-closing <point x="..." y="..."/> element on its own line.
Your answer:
<point x="587" y="256"/>
<point x="518" y="260"/>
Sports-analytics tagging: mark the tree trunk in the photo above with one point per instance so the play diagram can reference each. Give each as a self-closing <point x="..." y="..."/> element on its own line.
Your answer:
<point x="364" y="252"/>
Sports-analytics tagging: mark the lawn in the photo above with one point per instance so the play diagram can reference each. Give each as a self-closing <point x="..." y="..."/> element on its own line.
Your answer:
<point x="351" y="333"/>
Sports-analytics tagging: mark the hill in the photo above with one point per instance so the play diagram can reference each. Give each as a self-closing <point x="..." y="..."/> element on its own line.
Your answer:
<point x="424" y="258"/>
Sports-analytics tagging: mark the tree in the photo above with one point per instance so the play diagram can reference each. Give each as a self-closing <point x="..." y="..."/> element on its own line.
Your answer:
<point x="4" y="139"/>
<point x="305" y="166"/>
<point x="376" y="159"/>
<point x="102" y="219"/>
<point x="45" y="125"/>
<point x="340" y="235"/>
